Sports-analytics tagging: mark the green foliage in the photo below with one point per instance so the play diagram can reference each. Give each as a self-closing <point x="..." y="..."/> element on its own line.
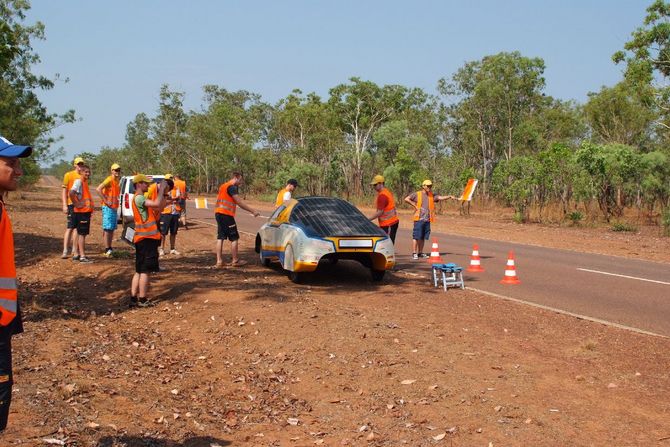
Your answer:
<point x="575" y="217"/>
<point x="647" y="55"/>
<point x="665" y="222"/>
<point x="623" y="227"/>
<point x="515" y="181"/>
<point x="23" y="118"/>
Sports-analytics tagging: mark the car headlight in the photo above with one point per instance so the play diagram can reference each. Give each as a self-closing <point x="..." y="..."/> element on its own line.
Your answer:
<point x="314" y="249"/>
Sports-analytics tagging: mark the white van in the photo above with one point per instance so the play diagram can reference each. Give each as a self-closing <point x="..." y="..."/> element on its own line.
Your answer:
<point x="127" y="188"/>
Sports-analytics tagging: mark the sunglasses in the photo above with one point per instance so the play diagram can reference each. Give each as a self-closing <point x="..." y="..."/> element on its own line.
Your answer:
<point x="116" y="170"/>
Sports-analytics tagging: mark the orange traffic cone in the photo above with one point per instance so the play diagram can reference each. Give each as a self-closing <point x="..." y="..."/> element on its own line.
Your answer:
<point x="510" y="271"/>
<point x="475" y="262"/>
<point x="435" y="254"/>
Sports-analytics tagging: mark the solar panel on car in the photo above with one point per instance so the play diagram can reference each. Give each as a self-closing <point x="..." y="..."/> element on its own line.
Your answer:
<point x="328" y="216"/>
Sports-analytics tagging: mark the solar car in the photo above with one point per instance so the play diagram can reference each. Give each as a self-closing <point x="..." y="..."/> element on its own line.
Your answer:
<point x="302" y="232"/>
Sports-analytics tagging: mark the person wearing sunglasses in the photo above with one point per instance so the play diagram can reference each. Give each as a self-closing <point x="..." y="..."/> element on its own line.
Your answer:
<point x="424" y="205"/>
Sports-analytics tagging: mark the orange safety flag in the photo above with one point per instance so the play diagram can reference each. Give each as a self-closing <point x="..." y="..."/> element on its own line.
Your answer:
<point x="469" y="190"/>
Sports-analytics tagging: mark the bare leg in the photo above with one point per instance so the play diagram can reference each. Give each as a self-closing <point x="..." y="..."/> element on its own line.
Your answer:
<point x="420" y="244"/>
<point x="219" y="251"/>
<point x="81" y="242"/>
<point x="143" y="286"/>
<point x="108" y="236"/>
<point x="173" y="239"/>
<point x="415" y="245"/>
<point x="233" y="250"/>
<point x="135" y="285"/>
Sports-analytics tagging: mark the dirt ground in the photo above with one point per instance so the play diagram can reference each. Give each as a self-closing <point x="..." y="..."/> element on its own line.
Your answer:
<point x="242" y="356"/>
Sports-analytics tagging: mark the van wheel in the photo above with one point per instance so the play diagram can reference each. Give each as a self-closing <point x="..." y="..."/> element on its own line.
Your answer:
<point x="295" y="277"/>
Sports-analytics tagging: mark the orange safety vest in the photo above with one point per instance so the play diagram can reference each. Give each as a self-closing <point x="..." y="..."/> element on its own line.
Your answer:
<point x="389" y="214"/>
<point x="431" y="205"/>
<point x="8" y="294"/>
<point x="280" y="197"/>
<point x="181" y="186"/>
<point x="225" y="204"/>
<point x="177" y="207"/>
<point x="86" y="198"/>
<point x="145" y="229"/>
<point x="110" y="193"/>
<point x="152" y="194"/>
<point x="68" y="181"/>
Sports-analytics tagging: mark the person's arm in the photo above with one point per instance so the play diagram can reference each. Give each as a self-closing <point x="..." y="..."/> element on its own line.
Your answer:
<point x="439" y="198"/>
<point x="64" y="193"/>
<point x="409" y="200"/>
<point x="244" y="206"/>
<point x="74" y="193"/>
<point x="99" y="191"/>
<point x="382" y="201"/>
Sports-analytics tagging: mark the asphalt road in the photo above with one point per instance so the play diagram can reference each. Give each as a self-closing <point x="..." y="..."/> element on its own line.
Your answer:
<point x="616" y="290"/>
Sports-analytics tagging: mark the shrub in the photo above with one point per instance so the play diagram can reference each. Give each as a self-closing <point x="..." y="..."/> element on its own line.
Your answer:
<point x="575" y="217"/>
<point x="665" y="222"/>
<point x="622" y="226"/>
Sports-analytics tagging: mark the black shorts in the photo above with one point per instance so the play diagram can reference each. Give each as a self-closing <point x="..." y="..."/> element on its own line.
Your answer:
<point x="146" y="255"/>
<point x="182" y="205"/>
<point x="70" y="221"/>
<point x="391" y="230"/>
<point x="82" y="222"/>
<point x="226" y="227"/>
<point x="168" y="223"/>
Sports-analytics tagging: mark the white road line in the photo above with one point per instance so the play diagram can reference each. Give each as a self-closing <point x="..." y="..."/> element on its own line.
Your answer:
<point x="625" y="276"/>
<point x="571" y="314"/>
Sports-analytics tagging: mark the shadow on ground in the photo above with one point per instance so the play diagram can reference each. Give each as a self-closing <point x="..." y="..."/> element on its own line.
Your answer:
<point x="138" y="441"/>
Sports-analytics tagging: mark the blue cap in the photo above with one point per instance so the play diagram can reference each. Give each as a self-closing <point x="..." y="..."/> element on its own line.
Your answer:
<point x="7" y="149"/>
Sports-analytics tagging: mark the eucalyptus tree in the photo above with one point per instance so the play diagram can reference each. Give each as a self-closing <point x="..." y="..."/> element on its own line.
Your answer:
<point x="618" y="115"/>
<point x="490" y="99"/>
<point x="304" y="134"/>
<point x="361" y="108"/>
<point x="169" y="129"/>
<point x="647" y="59"/>
<point x="23" y="117"/>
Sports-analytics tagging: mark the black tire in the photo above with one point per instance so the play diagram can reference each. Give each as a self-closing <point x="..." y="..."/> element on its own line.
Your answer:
<point x="377" y="275"/>
<point x="295" y="277"/>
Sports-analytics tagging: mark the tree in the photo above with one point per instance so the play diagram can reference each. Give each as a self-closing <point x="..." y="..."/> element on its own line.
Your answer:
<point x="618" y="115"/>
<point x="362" y="107"/>
<point x="647" y="59"/>
<point x="23" y="118"/>
<point x="495" y="95"/>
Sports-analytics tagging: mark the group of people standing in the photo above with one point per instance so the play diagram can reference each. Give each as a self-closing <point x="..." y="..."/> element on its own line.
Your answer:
<point x="422" y="201"/>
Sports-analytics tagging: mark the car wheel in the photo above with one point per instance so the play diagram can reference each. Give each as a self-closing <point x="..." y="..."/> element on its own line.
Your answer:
<point x="295" y="277"/>
<point x="377" y="275"/>
<point x="265" y="261"/>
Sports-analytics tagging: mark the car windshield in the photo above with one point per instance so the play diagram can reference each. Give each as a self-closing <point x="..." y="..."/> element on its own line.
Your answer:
<point x="327" y="216"/>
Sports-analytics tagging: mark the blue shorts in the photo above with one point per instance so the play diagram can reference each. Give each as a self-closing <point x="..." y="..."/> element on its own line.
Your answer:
<point x="109" y="218"/>
<point x="421" y="230"/>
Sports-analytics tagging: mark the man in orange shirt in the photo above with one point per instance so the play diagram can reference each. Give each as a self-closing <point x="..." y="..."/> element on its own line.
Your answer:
<point x="68" y="181"/>
<point x="10" y="310"/>
<point x="83" y="209"/>
<point x="386" y="210"/>
<point x="109" y="192"/>
<point x="226" y="204"/>
<point x="180" y="184"/>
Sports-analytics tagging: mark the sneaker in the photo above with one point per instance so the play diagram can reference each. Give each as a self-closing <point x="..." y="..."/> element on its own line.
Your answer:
<point x="143" y="302"/>
<point x="161" y="252"/>
<point x="108" y="253"/>
<point x="85" y="260"/>
<point x="174" y="252"/>
<point x="423" y="255"/>
<point x="133" y="302"/>
<point x="64" y="255"/>
<point x="415" y="257"/>
<point x="75" y="258"/>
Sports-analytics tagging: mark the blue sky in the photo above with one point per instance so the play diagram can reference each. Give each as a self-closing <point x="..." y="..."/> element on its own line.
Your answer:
<point x="117" y="54"/>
